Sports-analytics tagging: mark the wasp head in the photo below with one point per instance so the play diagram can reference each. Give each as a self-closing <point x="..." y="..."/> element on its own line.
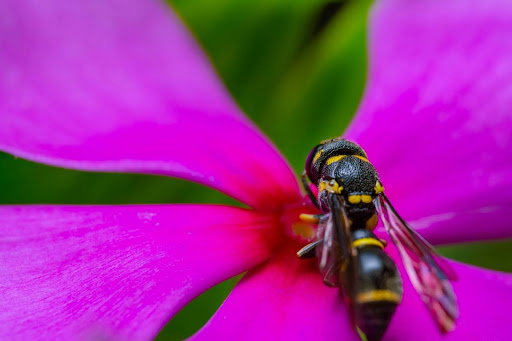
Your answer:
<point x="325" y="150"/>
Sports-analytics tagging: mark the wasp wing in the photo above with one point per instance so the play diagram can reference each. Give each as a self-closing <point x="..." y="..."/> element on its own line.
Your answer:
<point x="328" y="251"/>
<point x="428" y="272"/>
<point x="414" y="240"/>
<point x="335" y="248"/>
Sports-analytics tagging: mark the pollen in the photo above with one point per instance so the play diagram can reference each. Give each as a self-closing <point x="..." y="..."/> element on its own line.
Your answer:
<point x="304" y="230"/>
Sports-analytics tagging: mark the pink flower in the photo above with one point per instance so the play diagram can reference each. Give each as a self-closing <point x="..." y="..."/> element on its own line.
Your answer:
<point x="120" y="86"/>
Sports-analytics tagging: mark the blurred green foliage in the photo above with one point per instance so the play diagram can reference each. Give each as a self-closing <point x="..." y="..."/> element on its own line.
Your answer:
<point x="296" y="67"/>
<point x="285" y="64"/>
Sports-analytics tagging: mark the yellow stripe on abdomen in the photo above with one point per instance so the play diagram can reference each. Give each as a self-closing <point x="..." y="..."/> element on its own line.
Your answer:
<point x="366" y="242"/>
<point x="378" y="296"/>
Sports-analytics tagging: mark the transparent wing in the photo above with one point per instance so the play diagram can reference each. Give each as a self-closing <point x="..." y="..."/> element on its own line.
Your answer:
<point x="327" y="251"/>
<point x="335" y="246"/>
<point x="429" y="273"/>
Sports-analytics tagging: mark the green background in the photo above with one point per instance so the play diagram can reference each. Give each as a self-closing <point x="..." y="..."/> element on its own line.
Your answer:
<point x="297" y="68"/>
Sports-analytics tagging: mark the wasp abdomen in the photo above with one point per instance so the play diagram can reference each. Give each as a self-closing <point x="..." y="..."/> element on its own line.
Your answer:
<point x="377" y="286"/>
<point x="373" y="318"/>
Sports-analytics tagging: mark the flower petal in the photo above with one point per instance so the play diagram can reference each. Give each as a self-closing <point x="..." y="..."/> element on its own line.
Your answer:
<point x="121" y="86"/>
<point x="484" y="298"/>
<point x="117" y="272"/>
<point x="284" y="299"/>
<point x="436" y="118"/>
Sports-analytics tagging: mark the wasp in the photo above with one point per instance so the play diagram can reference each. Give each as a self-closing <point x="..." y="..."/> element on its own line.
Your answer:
<point x="350" y="256"/>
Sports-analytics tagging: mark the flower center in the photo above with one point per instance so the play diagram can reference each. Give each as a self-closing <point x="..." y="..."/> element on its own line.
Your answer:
<point x="295" y="227"/>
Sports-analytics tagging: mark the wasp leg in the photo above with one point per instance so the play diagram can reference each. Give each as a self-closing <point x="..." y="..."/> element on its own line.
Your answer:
<point x="309" y="251"/>
<point x="310" y="218"/>
<point x="310" y="194"/>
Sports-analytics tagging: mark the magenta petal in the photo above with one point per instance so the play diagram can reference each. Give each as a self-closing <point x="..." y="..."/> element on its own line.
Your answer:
<point x="284" y="299"/>
<point x="436" y="119"/>
<point x="111" y="85"/>
<point x="484" y="299"/>
<point x="117" y="272"/>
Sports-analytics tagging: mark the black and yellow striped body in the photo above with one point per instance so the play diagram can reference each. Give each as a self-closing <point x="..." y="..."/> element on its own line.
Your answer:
<point x="358" y="178"/>
<point x="372" y="286"/>
<point x="371" y="283"/>
<point x="347" y="164"/>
